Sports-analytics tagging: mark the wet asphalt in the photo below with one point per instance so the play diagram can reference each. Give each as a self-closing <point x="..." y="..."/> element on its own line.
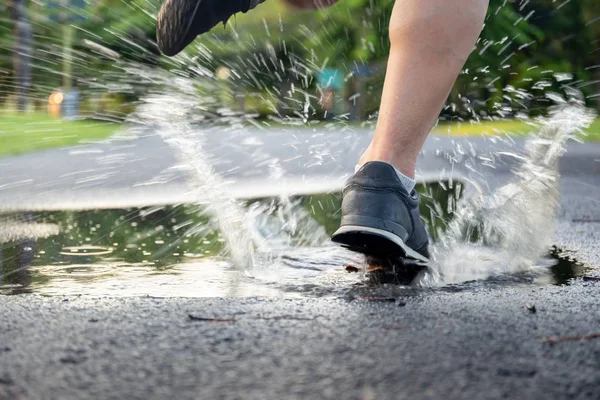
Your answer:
<point x="473" y="341"/>
<point x="483" y="344"/>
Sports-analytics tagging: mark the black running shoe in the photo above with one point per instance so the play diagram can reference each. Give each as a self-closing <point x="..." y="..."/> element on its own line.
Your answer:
<point x="180" y="21"/>
<point x="380" y="218"/>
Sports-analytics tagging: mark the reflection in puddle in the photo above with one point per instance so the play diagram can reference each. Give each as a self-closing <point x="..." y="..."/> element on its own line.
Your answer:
<point x="86" y="251"/>
<point x="177" y="251"/>
<point x="202" y="278"/>
<point x="14" y="230"/>
<point x="565" y="267"/>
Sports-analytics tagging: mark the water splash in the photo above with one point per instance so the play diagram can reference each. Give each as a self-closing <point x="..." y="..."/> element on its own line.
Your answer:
<point x="505" y="232"/>
<point x="255" y="237"/>
<point x="509" y="230"/>
<point x="171" y="115"/>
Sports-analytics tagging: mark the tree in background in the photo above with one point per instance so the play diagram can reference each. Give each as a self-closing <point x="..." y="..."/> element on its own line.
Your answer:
<point x="591" y="15"/>
<point x="526" y="50"/>
<point x="22" y="52"/>
<point x="101" y="35"/>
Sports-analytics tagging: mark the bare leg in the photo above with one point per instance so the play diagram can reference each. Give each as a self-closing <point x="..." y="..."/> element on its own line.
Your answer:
<point x="430" y="42"/>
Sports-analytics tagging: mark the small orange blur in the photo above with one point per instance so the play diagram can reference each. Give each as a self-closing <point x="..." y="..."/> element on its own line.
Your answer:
<point x="54" y="104"/>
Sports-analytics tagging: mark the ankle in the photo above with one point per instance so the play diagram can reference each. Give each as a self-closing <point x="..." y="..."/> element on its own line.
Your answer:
<point x="403" y="164"/>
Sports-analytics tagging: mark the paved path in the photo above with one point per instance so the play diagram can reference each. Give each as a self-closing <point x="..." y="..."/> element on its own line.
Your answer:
<point x="140" y="168"/>
<point x="475" y="344"/>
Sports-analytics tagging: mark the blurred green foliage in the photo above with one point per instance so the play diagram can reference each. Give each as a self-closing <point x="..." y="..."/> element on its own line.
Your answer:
<point x="526" y="50"/>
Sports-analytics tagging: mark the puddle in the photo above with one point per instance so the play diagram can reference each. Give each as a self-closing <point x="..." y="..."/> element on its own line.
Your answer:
<point x="178" y="251"/>
<point x="565" y="267"/>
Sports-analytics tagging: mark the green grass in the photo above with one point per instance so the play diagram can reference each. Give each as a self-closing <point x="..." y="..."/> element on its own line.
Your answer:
<point x="24" y="133"/>
<point x="594" y="131"/>
<point x="472" y="129"/>
<point x="488" y="128"/>
<point x="494" y="128"/>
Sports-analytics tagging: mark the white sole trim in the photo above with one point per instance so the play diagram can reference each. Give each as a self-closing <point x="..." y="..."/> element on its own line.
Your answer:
<point x="355" y="229"/>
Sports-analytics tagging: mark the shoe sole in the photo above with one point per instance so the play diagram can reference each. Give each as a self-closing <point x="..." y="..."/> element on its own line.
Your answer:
<point x="174" y="24"/>
<point x="375" y="242"/>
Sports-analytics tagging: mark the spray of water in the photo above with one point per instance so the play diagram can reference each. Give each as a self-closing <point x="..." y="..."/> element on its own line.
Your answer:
<point x="504" y="232"/>
<point x="508" y="230"/>
<point x="170" y="114"/>
<point x="255" y="236"/>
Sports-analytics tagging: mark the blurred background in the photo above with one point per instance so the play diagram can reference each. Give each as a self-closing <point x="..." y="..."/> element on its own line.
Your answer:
<point x="90" y="60"/>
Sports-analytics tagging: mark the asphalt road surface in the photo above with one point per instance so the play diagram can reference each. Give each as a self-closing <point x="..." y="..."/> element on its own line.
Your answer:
<point x="486" y="342"/>
<point x="138" y="167"/>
